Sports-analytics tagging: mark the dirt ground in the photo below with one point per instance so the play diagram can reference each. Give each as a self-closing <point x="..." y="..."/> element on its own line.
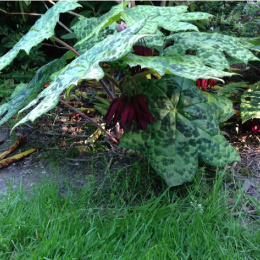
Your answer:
<point x="52" y="160"/>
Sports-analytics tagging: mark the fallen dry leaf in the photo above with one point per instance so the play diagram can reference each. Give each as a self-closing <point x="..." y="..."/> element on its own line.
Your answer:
<point x="13" y="147"/>
<point x="15" y="158"/>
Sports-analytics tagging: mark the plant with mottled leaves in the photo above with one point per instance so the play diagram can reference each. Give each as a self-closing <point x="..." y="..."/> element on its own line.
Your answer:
<point x="186" y="119"/>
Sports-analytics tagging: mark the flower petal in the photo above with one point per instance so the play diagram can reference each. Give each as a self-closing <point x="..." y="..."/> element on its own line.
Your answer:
<point x="125" y="114"/>
<point x="112" y="110"/>
<point x="119" y="110"/>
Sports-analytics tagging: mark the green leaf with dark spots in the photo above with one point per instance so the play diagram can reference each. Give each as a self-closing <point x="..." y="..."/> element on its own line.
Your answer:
<point x="187" y="66"/>
<point x="86" y="66"/>
<point x="186" y="129"/>
<point x="250" y="103"/>
<point x="104" y="33"/>
<point x="86" y="28"/>
<point x="25" y="93"/>
<point x="170" y="18"/>
<point x="210" y="48"/>
<point x="42" y="29"/>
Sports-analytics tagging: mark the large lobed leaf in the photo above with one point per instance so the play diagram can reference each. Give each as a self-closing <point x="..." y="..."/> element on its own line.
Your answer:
<point x="186" y="129"/>
<point x="210" y="48"/>
<point x="25" y="93"/>
<point x="103" y="34"/>
<point x="186" y="66"/>
<point x="42" y="29"/>
<point x="250" y="103"/>
<point x="169" y="18"/>
<point x="91" y="30"/>
<point x="87" y="28"/>
<point x="86" y="66"/>
<point x="173" y="19"/>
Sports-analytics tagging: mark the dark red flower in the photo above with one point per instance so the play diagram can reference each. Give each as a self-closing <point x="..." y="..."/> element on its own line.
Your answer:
<point x="130" y="111"/>
<point x="203" y="84"/>
<point x="256" y="129"/>
<point x="143" y="115"/>
<point x="141" y="51"/>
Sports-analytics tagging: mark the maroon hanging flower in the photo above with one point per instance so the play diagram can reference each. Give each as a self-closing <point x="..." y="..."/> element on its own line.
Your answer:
<point x="141" y="51"/>
<point x="203" y="84"/>
<point x="130" y="112"/>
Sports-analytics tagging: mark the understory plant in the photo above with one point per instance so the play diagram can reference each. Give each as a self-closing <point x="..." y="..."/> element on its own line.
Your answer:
<point x="166" y="117"/>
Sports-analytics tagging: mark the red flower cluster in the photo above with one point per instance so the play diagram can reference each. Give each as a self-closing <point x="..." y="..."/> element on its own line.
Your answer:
<point x="256" y="129"/>
<point x="129" y="110"/>
<point x="141" y="51"/>
<point x="203" y="84"/>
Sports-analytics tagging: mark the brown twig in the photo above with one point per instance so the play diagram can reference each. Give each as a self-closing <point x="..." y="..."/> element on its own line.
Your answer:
<point x="65" y="135"/>
<point x="51" y="45"/>
<point x="102" y="82"/>
<point x="132" y="3"/>
<point x="90" y="120"/>
<point x="106" y="88"/>
<point x="70" y="12"/>
<point x="65" y="45"/>
<point x="163" y="3"/>
<point x="108" y="165"/>
<point x="112" y="80"/>
<point x="59" y="22"/>
<point x="15" y="13"/>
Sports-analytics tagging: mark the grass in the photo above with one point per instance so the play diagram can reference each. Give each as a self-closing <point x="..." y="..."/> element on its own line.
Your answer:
<point x="129" y="215"/>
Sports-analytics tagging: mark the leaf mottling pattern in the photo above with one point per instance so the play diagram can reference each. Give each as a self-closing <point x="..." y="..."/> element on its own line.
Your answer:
<point x="210" y="48"/>
<point x="86" y="66"/>
<point x="42" y="29"/>
<point x="250" y="103"/>
<point x="25" y="93"/>
<point x="186" y="129"/>
<point x="187" y="66"/>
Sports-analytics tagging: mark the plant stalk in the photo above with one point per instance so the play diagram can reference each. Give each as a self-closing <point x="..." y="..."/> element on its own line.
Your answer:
<point x="102" y="82"/>
<point x="89" y="119"/>
<point x="65" y="45"/>
<point x="59" y="22"/>
<point x="141" y="75"/>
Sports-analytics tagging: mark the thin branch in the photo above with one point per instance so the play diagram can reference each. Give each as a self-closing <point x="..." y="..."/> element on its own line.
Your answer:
<point x="59" y="22"/>
<point x="65" y="45"/>
<point x="163" y="3"/>
<point x="70" y="12"/>
<point x="51" y="45"/>
<point x="106" y="88"/>
<point x="89" y="119"/>
<point x="65" y="135"/>
<point x="112" y="80"/>
<point x="73" y="13"/>
<point x="131" y="3"/>
<point x="102" y="82"/>
<point x="141" y="75"/>
<point x="15" y="13"/>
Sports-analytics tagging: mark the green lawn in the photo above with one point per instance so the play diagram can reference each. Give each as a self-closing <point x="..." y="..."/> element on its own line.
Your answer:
<point x="132" y="217"/>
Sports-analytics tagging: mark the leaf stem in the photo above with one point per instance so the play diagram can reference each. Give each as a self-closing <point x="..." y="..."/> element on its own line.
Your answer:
<point x="112" y="80"/>
<point x="59" y="22"/>
<point x="89" y="119"/>
<point x="70" y="12"/>
<point x="102" y="82"/>
<point x="106" y="88"/>
<point x="65" y="45"/>
<point x="141" y="75"/>
<point x="16" y="13"/>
